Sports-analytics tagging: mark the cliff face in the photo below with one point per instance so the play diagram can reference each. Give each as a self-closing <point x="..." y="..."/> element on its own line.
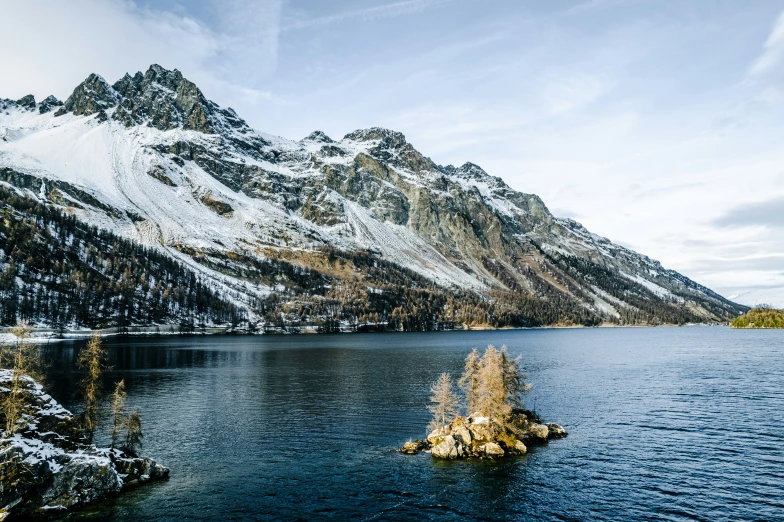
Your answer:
<point x="182" y="174"/>
<point x="45" y="466"/>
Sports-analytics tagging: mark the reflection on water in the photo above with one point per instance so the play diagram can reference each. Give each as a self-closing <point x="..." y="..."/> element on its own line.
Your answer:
<point x="667" y="423"/>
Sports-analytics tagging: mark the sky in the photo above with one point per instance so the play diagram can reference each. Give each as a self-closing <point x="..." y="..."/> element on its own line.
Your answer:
<point x="658" y="124"/>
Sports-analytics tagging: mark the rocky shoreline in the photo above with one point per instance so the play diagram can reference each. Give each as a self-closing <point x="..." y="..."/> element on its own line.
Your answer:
<point x="46" y="466"/>
<point x="473" y="437"/>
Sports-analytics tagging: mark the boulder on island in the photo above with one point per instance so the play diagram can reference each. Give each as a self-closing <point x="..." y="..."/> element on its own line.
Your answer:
<point x="555" y="431"/>
<point x="537" y="433"/>
<point x="474" y="436"/>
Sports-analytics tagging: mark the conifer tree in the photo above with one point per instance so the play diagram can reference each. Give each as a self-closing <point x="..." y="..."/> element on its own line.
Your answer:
<point x="93" y="359"/>
<point x="469" y="381"/>
<point x="22" y="359"/>
<point x="491" y="397"/>
<point x="133" y="434"/>
<point x="118" y="411"/>
<point x="443" y="401"/>
<point x="514" y="379"/>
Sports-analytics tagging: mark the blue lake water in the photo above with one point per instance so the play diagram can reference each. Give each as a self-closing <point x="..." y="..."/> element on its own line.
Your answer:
<point x="664" y="424"/>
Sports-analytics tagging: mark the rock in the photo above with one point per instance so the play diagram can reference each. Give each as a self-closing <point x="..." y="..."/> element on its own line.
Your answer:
<point x="493" y="450"/>
<point x="139" y="470"/>
<point x="537" y="433"/>
<point x="520" y="448"/>
<point x="556" y="431"/>
<point x="446" y="449"/>
<point x="80" y="481"/>
<point x="436" y="436"/>
<point x="481" y="432"/>
<point x="409" y="448"/>
<point x="462" y="434"/>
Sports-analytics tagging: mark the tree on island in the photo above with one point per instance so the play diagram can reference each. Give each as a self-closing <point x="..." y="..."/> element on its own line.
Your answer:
<point x="133" y="432"/>
<point x="495" y="424"/>
<point x="118" y="411"/>
<point x="444" y="402"/>
<point x="469" y="381"/>
<point x="493" y="386"/>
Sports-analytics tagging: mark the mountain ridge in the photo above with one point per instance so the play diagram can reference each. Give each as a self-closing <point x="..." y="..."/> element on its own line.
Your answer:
<point x="184" y="175"/>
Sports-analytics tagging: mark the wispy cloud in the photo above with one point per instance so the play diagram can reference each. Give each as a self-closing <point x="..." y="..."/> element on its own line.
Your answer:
<point x="571" y="93"/>
<point x="370" y="13"/>
<point x="249" y="33"/>
<point x="595" y="5"/>
<point x="765" y="213"/>
<point x="773" y="50"/>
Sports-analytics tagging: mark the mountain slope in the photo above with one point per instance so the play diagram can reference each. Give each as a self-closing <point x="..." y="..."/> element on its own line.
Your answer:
<point x="58" y="271"/>
<point x="152" y="160"/>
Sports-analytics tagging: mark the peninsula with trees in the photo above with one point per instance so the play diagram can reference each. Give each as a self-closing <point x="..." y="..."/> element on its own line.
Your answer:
<point x="760" y="318"/>
<point x="496" y="423"/>
<point x="48" y="459"/>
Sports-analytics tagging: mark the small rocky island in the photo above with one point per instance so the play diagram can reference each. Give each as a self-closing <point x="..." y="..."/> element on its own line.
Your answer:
<point x="499" y="426"/>
<point x="760" y="318"/>
<point x="47" y="458"/>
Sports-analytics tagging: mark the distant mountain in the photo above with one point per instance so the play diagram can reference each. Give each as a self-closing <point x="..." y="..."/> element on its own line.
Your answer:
<point x="769" y="297"/>
<point x="361" y="230"/>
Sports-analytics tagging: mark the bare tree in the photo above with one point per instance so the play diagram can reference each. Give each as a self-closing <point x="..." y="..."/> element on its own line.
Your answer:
<point x="133" y="434"/>
<point x="118" y="411"/>
<point x="469" y="381"/>
<point x="491" y="397"/>
<point x="23" y="361"/>
<point x="93" y="359"/>
<point x="514" y="379"/>
<point x="443" y="401"/>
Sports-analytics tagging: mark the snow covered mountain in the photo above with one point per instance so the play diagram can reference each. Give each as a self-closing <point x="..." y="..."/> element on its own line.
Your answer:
<point x="150" y="159"/>
<point x="767" y="297"/>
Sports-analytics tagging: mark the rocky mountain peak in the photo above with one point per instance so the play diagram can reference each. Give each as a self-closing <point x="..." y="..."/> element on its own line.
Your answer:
<point x="392" y="147"/>
<point x="387" y="138"/>
<point x="48" y="104"/>
<point x="163" y="99"/>
<point x="91" y="96"/>
<point x="26" y="102"/>
<point x="159" y="98"/>
<point x="471" y="171"/>
<point x="318" y="137"/>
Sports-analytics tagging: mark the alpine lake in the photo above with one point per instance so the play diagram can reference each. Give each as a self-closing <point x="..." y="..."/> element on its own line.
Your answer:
<point x="664" y="424"/>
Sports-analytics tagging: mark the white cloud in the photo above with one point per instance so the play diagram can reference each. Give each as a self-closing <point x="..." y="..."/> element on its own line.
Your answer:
<point x="369" y="13"/>
<point x="57" y="45"/>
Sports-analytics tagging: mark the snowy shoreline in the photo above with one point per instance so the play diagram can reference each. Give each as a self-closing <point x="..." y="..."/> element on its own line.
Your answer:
<point x="46" y="335"/>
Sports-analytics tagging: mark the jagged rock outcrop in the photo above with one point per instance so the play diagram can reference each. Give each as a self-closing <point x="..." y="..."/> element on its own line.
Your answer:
<point x="26" y="102"/>
<point x="93" y="95"/>
<point x="48" y="104"/>
<point x="46" y="466"/>
<point x="318" y="137"/>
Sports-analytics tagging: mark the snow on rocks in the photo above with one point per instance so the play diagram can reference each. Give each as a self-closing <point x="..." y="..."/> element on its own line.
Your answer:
<point x="46" y="465"/>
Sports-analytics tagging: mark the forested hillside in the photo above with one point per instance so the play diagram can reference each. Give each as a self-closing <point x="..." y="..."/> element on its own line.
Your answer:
<point x="58" y="271"/>
<point x="55" y="270"/>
